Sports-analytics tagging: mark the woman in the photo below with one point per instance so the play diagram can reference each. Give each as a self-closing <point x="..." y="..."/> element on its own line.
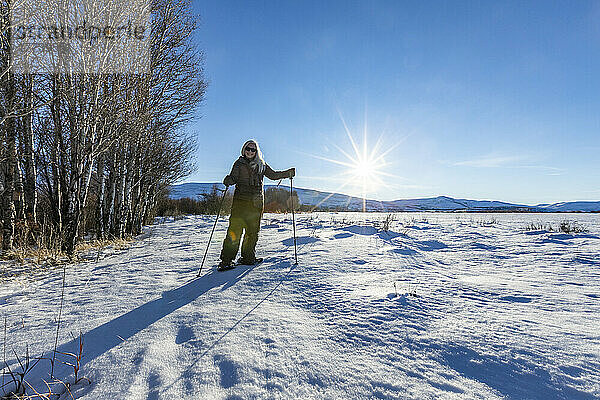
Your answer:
<point x="247" y="175"/>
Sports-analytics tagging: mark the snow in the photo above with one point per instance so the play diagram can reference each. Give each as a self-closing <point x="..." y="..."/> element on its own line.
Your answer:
<point x="574" y="206"/>
<point x="443" y="305"/>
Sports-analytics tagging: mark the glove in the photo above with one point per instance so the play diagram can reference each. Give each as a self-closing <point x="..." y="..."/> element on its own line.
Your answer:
<point x="291" y="172"/>
<point x="228" y="181"/>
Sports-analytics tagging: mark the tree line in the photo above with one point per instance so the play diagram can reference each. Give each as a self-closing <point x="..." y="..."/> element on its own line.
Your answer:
<point x="276" y="200"/>
<point x="94" y="153"/>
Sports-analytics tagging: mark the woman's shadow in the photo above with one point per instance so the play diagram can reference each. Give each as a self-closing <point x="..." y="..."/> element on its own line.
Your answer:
<point x="109" y="335"/>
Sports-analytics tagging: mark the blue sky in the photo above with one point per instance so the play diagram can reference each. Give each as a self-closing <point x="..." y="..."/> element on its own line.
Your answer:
<point x="483" y="100"/>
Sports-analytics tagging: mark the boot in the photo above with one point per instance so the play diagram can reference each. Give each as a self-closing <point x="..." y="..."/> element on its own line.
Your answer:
<point x="249" y="261"/>
<point x="225" y="265"/>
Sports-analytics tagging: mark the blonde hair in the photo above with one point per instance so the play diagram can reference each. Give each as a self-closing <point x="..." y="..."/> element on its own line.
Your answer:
<point x="258" y="160"/>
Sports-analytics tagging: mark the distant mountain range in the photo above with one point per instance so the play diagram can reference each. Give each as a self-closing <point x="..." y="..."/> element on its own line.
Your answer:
<point x="328" y="200"/>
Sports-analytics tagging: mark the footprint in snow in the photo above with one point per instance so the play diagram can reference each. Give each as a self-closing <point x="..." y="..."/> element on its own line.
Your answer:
<point x="405" y="252"/>
<point x="228" y="370"/>
<point x="299" y="240"/>
<point x="483" y="246"/>
<point x="184" y="334"/>
<point x="517" y="299"/>
<point x="361" y="229"/>
<point x="431" y="245"/>
<point x="342" y="235"/>
<point x="154" y="383"/>
<point x="534" y="233"/>
<point x="139" y="357"/>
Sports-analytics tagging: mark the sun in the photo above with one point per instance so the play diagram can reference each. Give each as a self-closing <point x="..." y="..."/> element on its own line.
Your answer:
<point x="365" y="166"/>
<point x="364" y="169"/>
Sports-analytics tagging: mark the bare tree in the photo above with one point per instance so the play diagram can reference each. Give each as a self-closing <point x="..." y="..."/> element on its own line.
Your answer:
<point x="7" y="127"/>
<point x="107" y="142"/>
<point x="156" y="151"/>
<point x="29" y="186"/>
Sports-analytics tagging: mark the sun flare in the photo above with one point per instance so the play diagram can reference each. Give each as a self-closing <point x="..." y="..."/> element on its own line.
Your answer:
<point x="364" y="169"/>
<point x="365" y="166"/>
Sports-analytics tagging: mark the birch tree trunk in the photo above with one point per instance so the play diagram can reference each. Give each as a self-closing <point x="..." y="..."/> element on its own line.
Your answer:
<point x="124" y="131"/>
<point x="57" y="173"/>
<point x="100" y="206"/>
<point x="112" y="187"/>
<point x="8" y="204"/>
<point x="18" y="194"/>
<point x="7" y="125"/>
<point x="29" y="186"/>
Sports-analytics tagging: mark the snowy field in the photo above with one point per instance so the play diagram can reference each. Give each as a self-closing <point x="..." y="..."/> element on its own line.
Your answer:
<point x="440" y="306"/>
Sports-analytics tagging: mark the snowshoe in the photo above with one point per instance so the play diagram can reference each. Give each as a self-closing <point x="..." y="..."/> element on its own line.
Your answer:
<point x="245" y="261"/>
<point x="224" y="266"/>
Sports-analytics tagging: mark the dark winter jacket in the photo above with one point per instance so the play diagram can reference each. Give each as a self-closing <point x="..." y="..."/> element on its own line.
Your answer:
<point x="248" y="182"/>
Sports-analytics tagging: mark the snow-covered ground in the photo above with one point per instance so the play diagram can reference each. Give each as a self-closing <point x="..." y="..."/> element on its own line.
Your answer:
<point x="461" y="306"/>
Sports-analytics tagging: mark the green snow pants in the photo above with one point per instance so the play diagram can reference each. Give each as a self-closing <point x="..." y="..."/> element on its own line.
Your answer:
<point x="245" y="216"/>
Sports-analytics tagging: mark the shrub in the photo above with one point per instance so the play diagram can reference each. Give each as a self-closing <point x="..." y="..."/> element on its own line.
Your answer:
<point x="567" y="226"/>
<point x="276" y="200"/>
<point x="387" y="222"/>
<point x="539" y="226"/>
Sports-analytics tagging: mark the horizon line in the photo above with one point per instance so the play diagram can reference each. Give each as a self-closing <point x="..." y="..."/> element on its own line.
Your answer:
<point x="416" y="198"/>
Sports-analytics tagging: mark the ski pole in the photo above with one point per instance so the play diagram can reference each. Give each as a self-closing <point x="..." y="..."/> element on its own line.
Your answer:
<point x="213" y="229"/>
<point x="293" y="219"/>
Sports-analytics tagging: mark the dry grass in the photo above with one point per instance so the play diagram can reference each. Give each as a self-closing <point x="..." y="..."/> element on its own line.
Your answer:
<point x="565" y="226"/>
<point x="15" y="386"/>
<point x="118" y="244"/>
<point x="25" y="261"/>
<point x="569" y="227"/>
<point x="539" y="226"/>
